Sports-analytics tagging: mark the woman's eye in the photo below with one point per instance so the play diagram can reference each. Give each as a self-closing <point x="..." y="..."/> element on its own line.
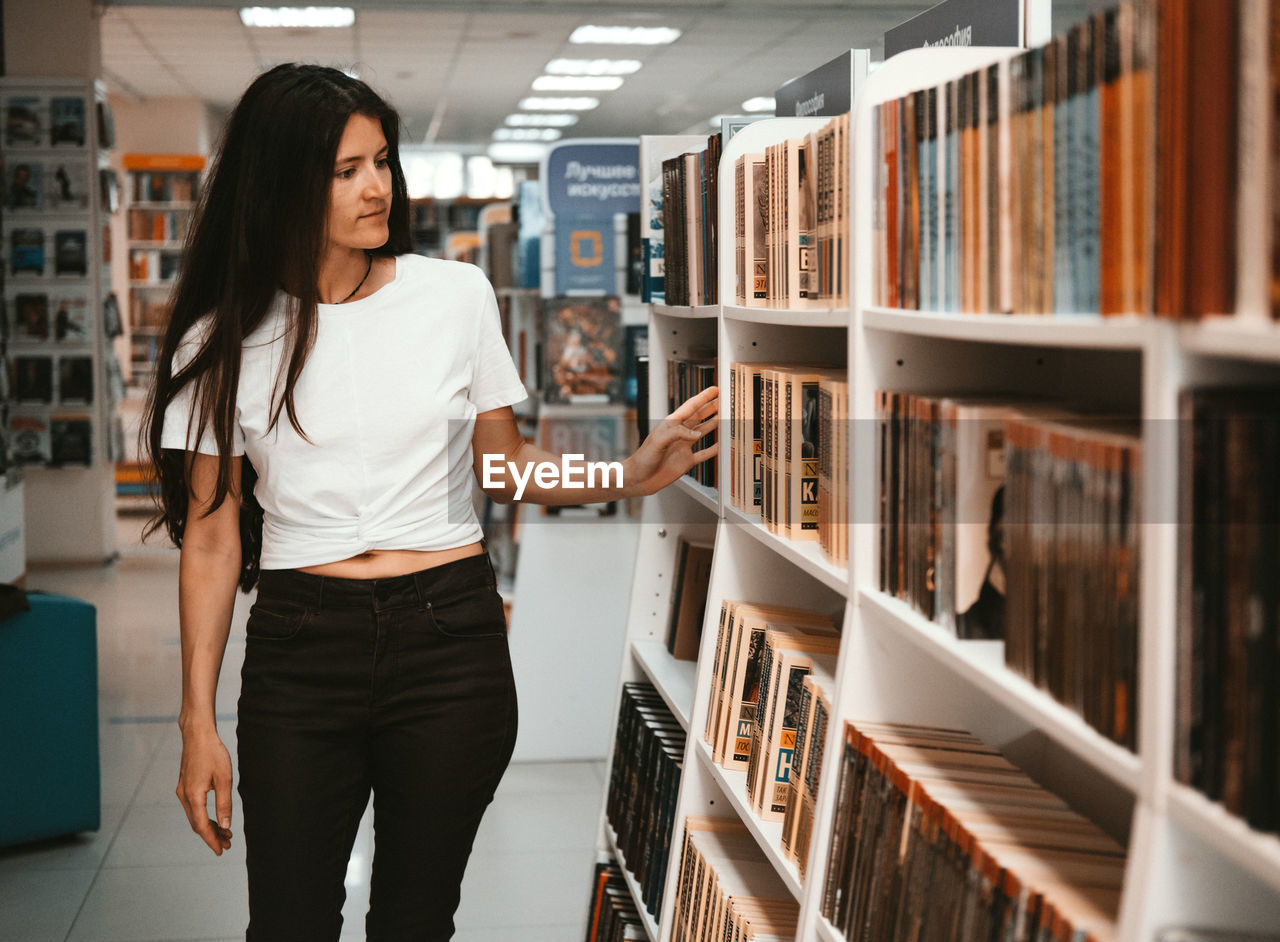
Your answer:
<point x="383" y="163"/>
<point x="346" y="174"/>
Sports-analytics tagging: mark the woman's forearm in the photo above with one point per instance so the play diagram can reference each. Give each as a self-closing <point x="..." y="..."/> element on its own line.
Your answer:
<point x="206" y="597"/>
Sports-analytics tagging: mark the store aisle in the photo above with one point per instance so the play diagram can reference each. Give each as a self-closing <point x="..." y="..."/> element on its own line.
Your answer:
<point x="145" y="875"/>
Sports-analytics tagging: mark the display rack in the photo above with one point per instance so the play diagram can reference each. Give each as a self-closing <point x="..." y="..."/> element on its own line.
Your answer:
<point x="1189" y="862"/>
<point x="162" y="192"/>
<point x="58" y="192"/>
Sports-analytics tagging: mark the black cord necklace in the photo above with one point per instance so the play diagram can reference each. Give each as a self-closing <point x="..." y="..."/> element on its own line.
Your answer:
<point x="368" y="268"/>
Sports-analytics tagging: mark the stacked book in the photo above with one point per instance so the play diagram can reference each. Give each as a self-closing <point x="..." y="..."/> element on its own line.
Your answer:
<point x="727" y="890"/>
<point x="763" y="658"/>
<point x="1036" y="185"/>
<point x="788" y="450"/>
<point x="1227" y="708"/>
<point x="690" y="204"/>
<point x="612" y="915"/>
<point x="1020" y="523"/>
<point x="685" y="379"/>
<point x="791" y="224"/>
<point x="938" y="836"/>
<point x="644" y="781"/>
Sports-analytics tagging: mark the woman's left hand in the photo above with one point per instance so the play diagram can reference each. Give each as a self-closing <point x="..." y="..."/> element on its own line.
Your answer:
<point x="669" y="450"/>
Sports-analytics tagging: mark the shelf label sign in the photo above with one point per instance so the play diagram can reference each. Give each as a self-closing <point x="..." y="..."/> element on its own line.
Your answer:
<point x="959" y="23"/>
<point x="826" y="91"/>
<point x="585" y="255"/>
<point x="593" y="179"/>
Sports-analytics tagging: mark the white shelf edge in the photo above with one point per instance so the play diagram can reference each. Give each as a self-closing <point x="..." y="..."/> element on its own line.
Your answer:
<point x="703" y="495"/>
<point x="791" y="317"/>
<point x="1243" y="337"/>
<point x="650" y="924"/>
<point x="806" y="555"/>
<point x="1232" y="837"/>
<point x="1129" y="332"/>
<point x="158" y="204"/>
<point x="166" y="245"/>
<point x="1014" y="692"/>
<point x="826" y="931"/>
<point x="674" y="680"/>
<point x="696" y="312"/>
<point x="768" y="834"/>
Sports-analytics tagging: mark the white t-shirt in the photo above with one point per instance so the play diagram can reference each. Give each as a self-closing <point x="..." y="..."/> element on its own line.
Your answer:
<point x="388" y="398"/>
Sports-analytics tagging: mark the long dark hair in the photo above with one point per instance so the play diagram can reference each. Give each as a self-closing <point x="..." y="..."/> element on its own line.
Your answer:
<point x="260" y="226"/>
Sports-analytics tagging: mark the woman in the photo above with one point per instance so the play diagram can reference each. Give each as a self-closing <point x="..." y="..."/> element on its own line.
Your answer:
<point x="321" y="404"/>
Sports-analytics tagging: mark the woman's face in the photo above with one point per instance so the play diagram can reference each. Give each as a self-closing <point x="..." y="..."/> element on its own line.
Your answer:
<point x="360" y="192"/>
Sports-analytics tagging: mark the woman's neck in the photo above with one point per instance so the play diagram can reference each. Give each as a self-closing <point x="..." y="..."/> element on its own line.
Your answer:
<point x="341" y="273"/>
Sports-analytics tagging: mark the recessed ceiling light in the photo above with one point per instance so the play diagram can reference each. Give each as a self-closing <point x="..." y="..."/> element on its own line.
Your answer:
<point x="559" y="104"/>
<point x="516" y="152"/>
<point x="625" y="35"/>
<point x="541" y="120"/>
<point x="297" y="17"/>
<point x="592" y="66"/>
<point x="526" y="134"/>
<point x="759" y="104"/>
<point x="576" y="83"/>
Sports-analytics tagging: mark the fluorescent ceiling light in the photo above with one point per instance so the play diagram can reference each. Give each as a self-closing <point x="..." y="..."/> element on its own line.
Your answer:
<point x="526" y="134"/>
<point x="625" y="35"/>
<point x="592" y="66"/>
<point x="297" y="17"/>
<point x="516" y="152"/>
<point x="559" y="104"/>
<point x="576" y="83"/>
<point x="541" y="120"/>
<point x="759" y="104"/>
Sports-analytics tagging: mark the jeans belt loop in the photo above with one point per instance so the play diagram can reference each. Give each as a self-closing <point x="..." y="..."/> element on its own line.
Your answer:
<point x="423" y="604"/>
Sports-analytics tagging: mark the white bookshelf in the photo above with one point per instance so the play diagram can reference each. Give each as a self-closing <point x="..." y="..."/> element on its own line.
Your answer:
<point x="150" y="295"/>
<point x="1189" y="862"/>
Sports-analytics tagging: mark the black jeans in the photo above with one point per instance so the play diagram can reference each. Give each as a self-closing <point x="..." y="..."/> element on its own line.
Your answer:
<point x="399" y="685"/>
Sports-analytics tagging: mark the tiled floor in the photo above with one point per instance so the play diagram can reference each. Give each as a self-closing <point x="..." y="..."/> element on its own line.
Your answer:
<point x="144" y="875"/>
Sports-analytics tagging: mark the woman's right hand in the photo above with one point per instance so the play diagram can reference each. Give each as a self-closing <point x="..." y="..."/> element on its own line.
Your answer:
<point x="206" y="765"/>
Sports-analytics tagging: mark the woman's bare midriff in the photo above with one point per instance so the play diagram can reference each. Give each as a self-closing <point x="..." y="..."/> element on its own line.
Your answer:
<point x="383" y="564"/>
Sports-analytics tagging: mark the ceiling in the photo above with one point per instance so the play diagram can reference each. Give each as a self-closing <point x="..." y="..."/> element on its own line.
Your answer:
<point x="455" y="70"/>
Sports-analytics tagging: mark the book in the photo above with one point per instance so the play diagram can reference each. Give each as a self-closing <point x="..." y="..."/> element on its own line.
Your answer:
<point x="636" y="347"/>
<point x="31" y="318"/>
<point x="33" y="380"/>
<point x="932" y="824"/>
<point x="26" y="251"/>
<point x="582" y="350"/>
<point x="68" y="185"/>
<point x="788" y="655"/>
<point x="75" y="380"/>
<point x="726" y="889"/>
<point x="737" y="673"/>
<point x="25" y="185"/>
<point x="66" y="121"/>
<point x="70" y="440"/>
<point x="70" y="252"/>
<point x="691" y="579"/>
<point x="70" y="311"/>
<point x="29" y="440"/>
<point x="1226" y="733"/>
<point x="23" y="121"/>
<point x="644" y="781"/>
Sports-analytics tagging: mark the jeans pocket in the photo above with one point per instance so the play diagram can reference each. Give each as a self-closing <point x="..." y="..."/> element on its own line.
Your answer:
<point x="275" y="620"/>
<point x="477" y="613"/>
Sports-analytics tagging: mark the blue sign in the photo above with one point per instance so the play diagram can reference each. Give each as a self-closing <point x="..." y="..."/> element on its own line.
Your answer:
<point x="585" y="255"/>
<point x="593" y="179"/>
